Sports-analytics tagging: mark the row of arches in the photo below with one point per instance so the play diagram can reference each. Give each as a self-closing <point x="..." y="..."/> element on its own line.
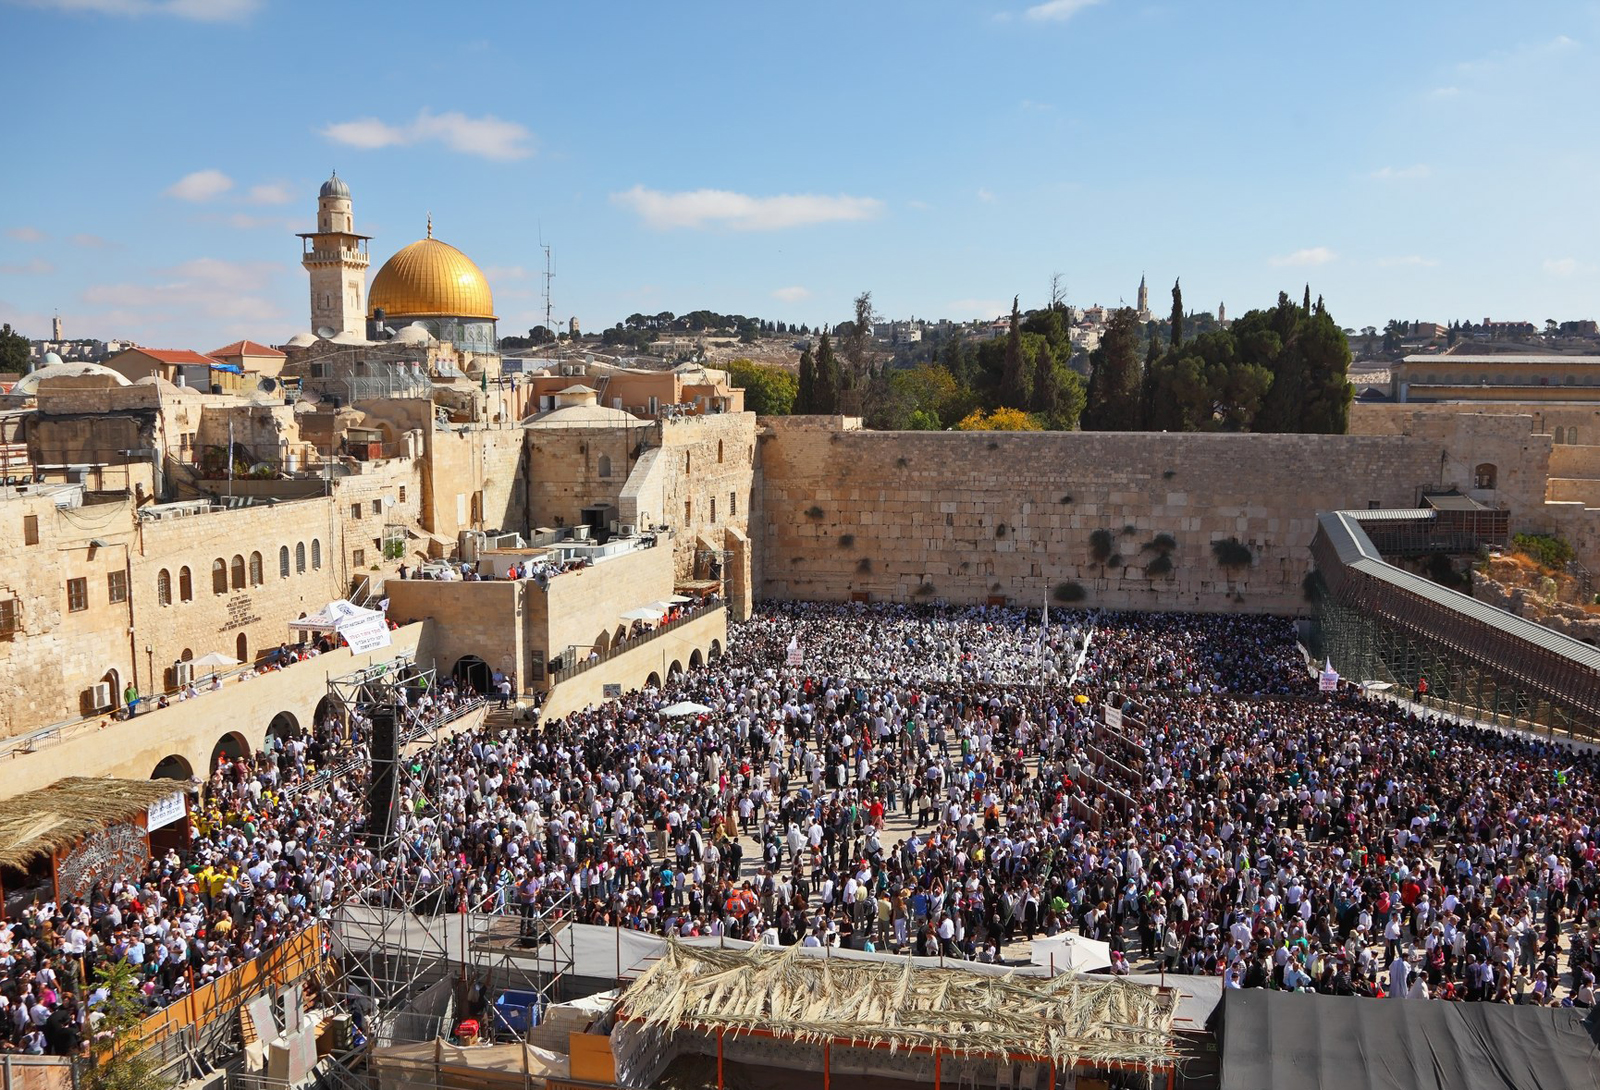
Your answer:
<point x="236" y="574"/>
<point x="231" y="746"/>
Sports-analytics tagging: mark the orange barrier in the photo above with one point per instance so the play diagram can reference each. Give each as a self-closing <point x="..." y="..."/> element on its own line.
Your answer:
<point x="225" y="996"/>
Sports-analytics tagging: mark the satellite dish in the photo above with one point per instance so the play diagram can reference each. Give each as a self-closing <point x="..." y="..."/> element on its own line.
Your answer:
<point x="324" y="331"/>
<point x="267" y="385"/>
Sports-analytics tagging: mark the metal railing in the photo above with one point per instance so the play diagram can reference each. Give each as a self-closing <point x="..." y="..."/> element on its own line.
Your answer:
<point x="590" y="660"/>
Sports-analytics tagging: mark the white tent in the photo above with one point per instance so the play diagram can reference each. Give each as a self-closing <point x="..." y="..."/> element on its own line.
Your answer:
<point x="214" y="660"/>
<point x="363" y="629"/>
<point x="684" y="707"/>
<point x="644" y="613"/>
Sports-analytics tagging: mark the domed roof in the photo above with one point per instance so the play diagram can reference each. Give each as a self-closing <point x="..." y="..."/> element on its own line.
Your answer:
<point x="585" y="416"/>
<point x="50" y="358"/>
<point x="335" y="187"/>
<point x="302" y="340"/>
<point x="29" y="383"/>
<point x="415" y="333"/>
<point x="430" y="279"/>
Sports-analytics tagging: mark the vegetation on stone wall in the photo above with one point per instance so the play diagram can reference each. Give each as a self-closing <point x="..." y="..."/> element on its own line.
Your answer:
<point x="1101" y="545"/>
<point x="1070" y="592"/>
<point x="1232" y="553"/>
<point x="1159" y="565"/>
<point x="846" y="540"/>
<point x="999" y="420"/>
<point x="814" y="512"/>
<point x="768" y="390"/>
<point x="1548" y="550"/>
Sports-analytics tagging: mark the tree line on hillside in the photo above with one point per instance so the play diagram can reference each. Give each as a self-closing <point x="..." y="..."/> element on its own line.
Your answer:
<point x="1279" y="370"/>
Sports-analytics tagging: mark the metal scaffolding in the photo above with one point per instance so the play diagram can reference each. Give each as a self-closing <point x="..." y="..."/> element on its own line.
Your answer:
<point x="409" y="964"/>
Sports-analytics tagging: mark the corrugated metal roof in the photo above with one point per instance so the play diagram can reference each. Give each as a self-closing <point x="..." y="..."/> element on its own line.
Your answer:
<point x="1356" y="551"/>
<point x="1508" y="358"/>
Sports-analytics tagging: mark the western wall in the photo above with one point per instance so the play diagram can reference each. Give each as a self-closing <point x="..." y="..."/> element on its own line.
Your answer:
<point x="980" y="516"/>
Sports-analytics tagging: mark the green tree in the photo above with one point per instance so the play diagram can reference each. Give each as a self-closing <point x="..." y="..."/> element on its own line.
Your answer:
<point x="1013" y="380"/>
<point x="1046" y="388"/>
<point x="827" y="382"/>
<point x="122" y="1066"/>
<point x="1114" y="377"/>
<point x="768" y="390"/>
<point x="805" y="400"/>
<point x="1177" y="315"/>
<point x="13" y="350"/>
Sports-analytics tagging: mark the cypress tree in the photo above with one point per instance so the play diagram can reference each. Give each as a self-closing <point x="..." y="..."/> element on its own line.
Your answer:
<point x="827" y="378"/>
<point x="1013" y="387"/>
<point x="1306" y="306"/>
<point x="1177" y="317"/>
<point x="805" y="400"/>
<point x="1046" y="389"/>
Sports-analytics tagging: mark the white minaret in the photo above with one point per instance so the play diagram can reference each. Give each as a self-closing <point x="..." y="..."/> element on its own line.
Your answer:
<point x="336" y="258"/>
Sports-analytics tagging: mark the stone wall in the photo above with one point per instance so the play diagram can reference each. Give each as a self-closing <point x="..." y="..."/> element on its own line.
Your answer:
<point x="966" y="516"/>
<point x="702" y="485"/>
<point x="706" y="635"/>
<point x="573" y="468"/>
<point x="475" y="480"/>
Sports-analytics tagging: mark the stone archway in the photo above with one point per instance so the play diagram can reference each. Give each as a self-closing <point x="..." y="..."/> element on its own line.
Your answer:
<point x="653" y="681"/>
<point x="284" y="726"/>
<point x="675" y="670"/>
<point x="232" y="745"/>
<point x="716" y="651"/>
<point x="472" y="671"/>
<point x="695" y="661"/>
<point x="602" y="642"/>
<point x="174" y="766"/>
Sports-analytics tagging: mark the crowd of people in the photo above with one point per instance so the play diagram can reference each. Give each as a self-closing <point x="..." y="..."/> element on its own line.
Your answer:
<point x="933" y="780"/>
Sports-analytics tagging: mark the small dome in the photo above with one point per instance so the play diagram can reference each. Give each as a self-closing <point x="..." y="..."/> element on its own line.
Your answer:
<point x="29" y="383"/>
<point x="335" y="187"/>
<point x="349" y="336"/>
<point x="415" y="333"/>
<point x="302" y="340"/>
<point x="50" y="358"/>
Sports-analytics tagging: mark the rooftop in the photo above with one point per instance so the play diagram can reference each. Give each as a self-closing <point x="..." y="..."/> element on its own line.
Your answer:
<point x="1508" y="357"/>
<point x="40" y="823"/>
<point x="247" y="348"/>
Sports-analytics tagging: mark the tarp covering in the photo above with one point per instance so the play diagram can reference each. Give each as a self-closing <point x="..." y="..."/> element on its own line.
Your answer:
<point x="1272" y="1040"/>
<point x="363" y="629"/>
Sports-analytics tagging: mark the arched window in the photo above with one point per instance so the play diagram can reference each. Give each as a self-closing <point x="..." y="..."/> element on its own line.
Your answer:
<point x="300" y="558"/>
<point x="219" y="576"/>
<point x="1484" y="476"/>
<point x="316" y="554"/>
<point x="185" y="585"/>
<point x="164" y="587"/>
<point x="242" y="646"/>
<point x="605" y="465"/>
<point x="255" y="570"/>
<point x="238" y="573"/>
<point x="283" y="562"/>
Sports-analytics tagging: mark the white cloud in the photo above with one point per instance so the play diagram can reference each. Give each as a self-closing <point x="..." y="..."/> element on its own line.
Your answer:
<point x="1057" y="11"/>
<point x="740" y="211"/>
<point x="488" y="137"/>
<point x="269" y="193"/>
<point x="36" y="267"/>
<point x="1444" y="92"/>
<point x="920" y="206"/>
<point x="201" y="11"/>
<point x="1566" y="266"/>
<point x="1397" y="174"/>
<point x="26" y="234"/>
<point x="91" y="242"/>
<point x="505" y="272"/>
<point x="792" y="295"/>
<point x="1408" y="261"/>
<point x="1314" y="255"/>
<point x="986" y="196"/>
<point x="202" y="185"/>
<point x="204" y="289"/>
<point x="962" y="309"/>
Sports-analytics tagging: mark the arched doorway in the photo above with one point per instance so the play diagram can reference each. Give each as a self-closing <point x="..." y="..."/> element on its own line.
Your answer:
<point x="174" y="766"/>
<point x="602" y="642"/>
<point x="716" y="650"/>
<point x="472" y="671"/>
<point x="232" y="746"/>
<point x="675" y="670"/>
<point x="284" y="726"/>
<point x="620" y="636"/>
<point x="695" y="661"/>
<point x="242" y="648"/>
<point x="327" y="711"/>
<point x="653" y="681"/>
<point x="114" y="679"/>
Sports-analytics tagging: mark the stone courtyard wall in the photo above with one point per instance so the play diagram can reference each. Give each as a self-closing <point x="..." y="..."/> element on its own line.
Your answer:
<point x="971" y="516"/>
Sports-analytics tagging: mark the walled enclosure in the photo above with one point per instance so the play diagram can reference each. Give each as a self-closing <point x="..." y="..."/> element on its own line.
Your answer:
<point x="192" y="729"/>
<point x="966" y="516"/>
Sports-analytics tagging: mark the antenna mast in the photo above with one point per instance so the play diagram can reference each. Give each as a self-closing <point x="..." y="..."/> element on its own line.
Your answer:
<point x="549" y="275"/>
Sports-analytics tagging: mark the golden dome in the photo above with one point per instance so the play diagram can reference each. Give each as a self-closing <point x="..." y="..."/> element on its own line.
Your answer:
<point x="430" y="279"/>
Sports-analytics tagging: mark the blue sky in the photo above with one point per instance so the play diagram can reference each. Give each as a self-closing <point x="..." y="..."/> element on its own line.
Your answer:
<point x="1413" y="160"/>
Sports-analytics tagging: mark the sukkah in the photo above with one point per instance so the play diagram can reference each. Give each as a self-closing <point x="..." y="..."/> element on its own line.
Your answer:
<point x="42" y="823"/>
<point x="1066" y="1020"/>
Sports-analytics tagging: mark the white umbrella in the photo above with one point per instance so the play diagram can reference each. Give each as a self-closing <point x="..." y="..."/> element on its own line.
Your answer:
<point x="679" y="599"/>
<point x="1071" y="953"/>
<point x="215" y="658"/>
<point x="644" y="613"/>
<point x="684" y="707"/>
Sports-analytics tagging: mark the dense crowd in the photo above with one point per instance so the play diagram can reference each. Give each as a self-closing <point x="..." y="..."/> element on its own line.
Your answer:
<point x="914" y="778"/>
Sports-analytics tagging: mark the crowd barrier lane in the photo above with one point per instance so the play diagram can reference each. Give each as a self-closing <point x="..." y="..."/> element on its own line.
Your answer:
<point x="225" y="996"/>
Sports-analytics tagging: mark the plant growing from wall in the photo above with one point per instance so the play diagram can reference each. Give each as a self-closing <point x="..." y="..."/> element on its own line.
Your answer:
<point x="1101" y="544"/>
<point x="925" y="589"/>
<point x="1069" y="592"/>
<point x="846" y="540"/>
<point x="1232" y="553"/>
<point x="1160" y="564"/>
<point x="1311" y="587"/>
<point x="1161" y="543"/>
<point x="864" y="565"/>
<point x="814" y="512"/>
<point x="1000" y="529"/>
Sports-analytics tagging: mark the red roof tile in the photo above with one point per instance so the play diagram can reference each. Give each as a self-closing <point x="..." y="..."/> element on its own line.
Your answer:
<point x="177" y="355"/>
<point x="247" y="348"/>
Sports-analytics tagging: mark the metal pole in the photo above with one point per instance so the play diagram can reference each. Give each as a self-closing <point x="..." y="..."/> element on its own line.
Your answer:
<point x="720" y="1083"/>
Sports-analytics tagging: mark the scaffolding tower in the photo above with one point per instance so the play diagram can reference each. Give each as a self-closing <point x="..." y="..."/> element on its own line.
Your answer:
<point x="411" y="967"/>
